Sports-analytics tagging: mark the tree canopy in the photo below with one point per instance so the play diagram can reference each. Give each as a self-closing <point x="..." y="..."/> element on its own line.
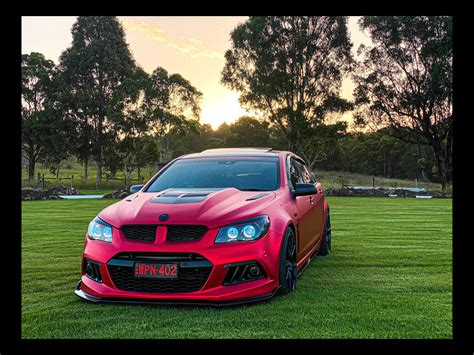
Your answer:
<point x="94" y="71"/>
<point x="43" y="129"/>
<point x="405" y="81"/>
<point x="98" y="105"/>
<point x="291" y="68"/>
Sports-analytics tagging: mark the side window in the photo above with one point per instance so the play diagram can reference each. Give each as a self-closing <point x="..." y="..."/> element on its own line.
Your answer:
<point x="295" y="174"/>
<point x="308" y="177"/>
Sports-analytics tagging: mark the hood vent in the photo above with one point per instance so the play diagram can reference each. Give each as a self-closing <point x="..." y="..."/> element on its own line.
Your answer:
<point x="176" y="196"/>
<point x="256" y="197"/>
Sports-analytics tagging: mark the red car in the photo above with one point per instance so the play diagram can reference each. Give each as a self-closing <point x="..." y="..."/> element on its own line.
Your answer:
<point x="219" y="227"/>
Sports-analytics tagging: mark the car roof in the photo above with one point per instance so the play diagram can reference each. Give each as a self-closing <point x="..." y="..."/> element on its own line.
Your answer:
<point x="223" y="152"/>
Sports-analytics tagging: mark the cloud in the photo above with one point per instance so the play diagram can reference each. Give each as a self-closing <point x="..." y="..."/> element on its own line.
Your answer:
<point x="188" y="45"/>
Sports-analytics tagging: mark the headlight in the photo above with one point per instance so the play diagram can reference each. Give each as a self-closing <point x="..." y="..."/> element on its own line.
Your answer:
<point x="248" y="230"/>
<point x="100" y="230"/>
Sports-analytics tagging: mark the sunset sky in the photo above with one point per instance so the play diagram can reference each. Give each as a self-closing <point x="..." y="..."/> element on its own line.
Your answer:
<point x="191" y="46"/>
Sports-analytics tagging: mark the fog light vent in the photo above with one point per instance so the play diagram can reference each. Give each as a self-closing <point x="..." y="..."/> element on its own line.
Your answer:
<point x="243" y="272"/>
<point x="92" y="270"/>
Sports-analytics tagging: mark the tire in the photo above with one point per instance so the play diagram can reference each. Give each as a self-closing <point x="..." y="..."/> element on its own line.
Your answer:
<point x="287" y="276"/>
<point x="326" y="242"/>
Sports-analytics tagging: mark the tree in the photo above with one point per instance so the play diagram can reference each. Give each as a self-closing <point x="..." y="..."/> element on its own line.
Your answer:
<point x="321" y="142"/>
<point x="41" y="126"/>
<point x="94" y="70"/>
<point x="140" y="152"/>
<point x="194" y="141"/>
<point x="291" y="68"/>
<point x="248" y="132"/>
<point x="405" y="82"/>
<point x="173" y="106"/>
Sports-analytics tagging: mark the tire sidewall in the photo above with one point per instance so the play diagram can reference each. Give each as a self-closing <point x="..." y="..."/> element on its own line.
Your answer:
<point x="324" y="249"/>
<point x="282" y="270"/>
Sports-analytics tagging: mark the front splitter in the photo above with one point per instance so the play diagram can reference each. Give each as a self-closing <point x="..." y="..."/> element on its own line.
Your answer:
<point x="236" y="302"/>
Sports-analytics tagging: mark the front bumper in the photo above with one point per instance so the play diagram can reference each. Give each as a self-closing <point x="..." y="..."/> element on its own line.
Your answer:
<point x="235" y="302"/>
<point x="265" y="251"/>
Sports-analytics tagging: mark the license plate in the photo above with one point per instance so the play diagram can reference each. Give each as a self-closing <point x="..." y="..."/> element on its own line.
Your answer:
<point x="156" y="271"/>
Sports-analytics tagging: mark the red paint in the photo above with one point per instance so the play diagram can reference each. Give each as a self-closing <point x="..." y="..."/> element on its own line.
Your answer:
<point x="218" y="209"/>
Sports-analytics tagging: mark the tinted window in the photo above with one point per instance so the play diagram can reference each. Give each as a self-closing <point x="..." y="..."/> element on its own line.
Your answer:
<point x="307" y="176"/>
<point x="241" y="173"/>
<point x="295" y="174"/>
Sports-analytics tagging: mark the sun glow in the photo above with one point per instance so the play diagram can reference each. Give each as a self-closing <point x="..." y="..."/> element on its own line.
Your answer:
<point x="222" y="108"/>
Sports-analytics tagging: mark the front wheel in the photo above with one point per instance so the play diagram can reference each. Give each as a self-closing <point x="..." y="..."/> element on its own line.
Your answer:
<point x="325" y="248"/>
<point x="288" y="263"/>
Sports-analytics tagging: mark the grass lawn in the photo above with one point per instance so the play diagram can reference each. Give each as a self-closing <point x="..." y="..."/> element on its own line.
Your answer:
<point x="389" y="276"/>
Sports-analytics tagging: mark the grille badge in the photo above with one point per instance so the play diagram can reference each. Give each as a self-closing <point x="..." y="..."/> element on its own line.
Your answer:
<point x="163" y="217"/>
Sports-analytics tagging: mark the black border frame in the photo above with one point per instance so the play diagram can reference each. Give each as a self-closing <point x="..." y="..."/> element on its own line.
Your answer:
<point x="462" y="342"/>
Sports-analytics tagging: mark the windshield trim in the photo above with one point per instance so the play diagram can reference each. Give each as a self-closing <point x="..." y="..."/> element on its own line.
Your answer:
<point x="230" y="157"/>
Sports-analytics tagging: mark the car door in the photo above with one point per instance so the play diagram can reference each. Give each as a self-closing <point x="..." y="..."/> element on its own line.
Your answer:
<point x="317" y="212"/>
<point x="305" y="211"/>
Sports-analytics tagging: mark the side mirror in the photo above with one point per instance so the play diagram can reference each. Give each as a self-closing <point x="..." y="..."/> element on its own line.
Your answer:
<point x="319" y="187"/>
<point x="303" y="189"/>
<point x="135" y="188"/>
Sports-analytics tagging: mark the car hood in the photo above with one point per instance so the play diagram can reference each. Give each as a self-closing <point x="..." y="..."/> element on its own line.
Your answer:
<point x="209" y="207"/>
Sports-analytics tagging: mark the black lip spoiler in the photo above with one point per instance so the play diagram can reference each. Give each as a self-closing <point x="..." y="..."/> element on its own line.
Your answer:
<point x="236" y="302"/>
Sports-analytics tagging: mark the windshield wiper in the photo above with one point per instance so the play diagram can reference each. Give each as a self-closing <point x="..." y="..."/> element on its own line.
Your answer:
<point x="251" y="189"/>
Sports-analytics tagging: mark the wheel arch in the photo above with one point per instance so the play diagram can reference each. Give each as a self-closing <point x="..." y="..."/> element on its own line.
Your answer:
<point x="326" y="209"/>
<point x="292" y="226"/>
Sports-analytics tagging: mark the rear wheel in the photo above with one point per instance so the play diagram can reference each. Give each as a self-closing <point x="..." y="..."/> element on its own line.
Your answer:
<point x="325" y="248"/>
<point x="288" y="263"/>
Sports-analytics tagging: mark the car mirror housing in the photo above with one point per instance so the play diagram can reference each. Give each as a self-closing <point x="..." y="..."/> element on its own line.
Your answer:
<point x="135" y="188"/>
<point x="319" y="187"/>
<point x="304" y="189"/>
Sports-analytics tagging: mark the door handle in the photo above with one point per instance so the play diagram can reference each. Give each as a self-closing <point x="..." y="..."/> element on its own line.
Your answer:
<point x="311" y="199"/>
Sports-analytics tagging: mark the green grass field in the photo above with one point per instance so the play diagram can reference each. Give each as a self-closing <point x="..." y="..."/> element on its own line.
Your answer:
<point x="389" y="276"/>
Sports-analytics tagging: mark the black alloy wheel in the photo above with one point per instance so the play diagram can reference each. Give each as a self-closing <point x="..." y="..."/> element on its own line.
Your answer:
<point x="325" y="248"/>
<point x="288" y="263"/>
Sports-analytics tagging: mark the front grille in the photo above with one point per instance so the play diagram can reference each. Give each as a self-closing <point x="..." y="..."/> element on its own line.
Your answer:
<point x="146" y="233"/>
<point x="175" y="233"/>
<point x="193" y="272"/>
<point x="185" y="232"/>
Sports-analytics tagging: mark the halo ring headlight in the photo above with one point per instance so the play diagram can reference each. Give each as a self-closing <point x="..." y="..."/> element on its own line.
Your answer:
<point x="247" y="230"/>
<point x="100" y="230"/>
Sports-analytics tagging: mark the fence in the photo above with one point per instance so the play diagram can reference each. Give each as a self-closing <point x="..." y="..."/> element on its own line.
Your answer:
<point x="335" y="179"/>
<point x="329" y="179"/>
<point x="42" y="182"/>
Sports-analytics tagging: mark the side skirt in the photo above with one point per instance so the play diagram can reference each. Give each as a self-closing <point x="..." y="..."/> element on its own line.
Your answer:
<point x="311" y="258"/>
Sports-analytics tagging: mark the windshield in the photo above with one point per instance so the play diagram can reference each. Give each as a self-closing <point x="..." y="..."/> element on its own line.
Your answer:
<point x="245" y="174"/>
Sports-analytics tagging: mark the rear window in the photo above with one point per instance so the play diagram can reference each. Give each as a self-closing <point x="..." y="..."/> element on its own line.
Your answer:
<point x="245" y="174"/>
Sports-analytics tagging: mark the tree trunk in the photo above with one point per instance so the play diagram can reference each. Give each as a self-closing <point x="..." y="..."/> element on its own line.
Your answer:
<point x="101" y="154"/>
<point x="443" y="174"/>
<point x="99" y="173"/>
<point x="442" y="164"/>
<point x="128" y="173"/>
<point x="86" y="166"/>
<point x="31" y="166"/>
